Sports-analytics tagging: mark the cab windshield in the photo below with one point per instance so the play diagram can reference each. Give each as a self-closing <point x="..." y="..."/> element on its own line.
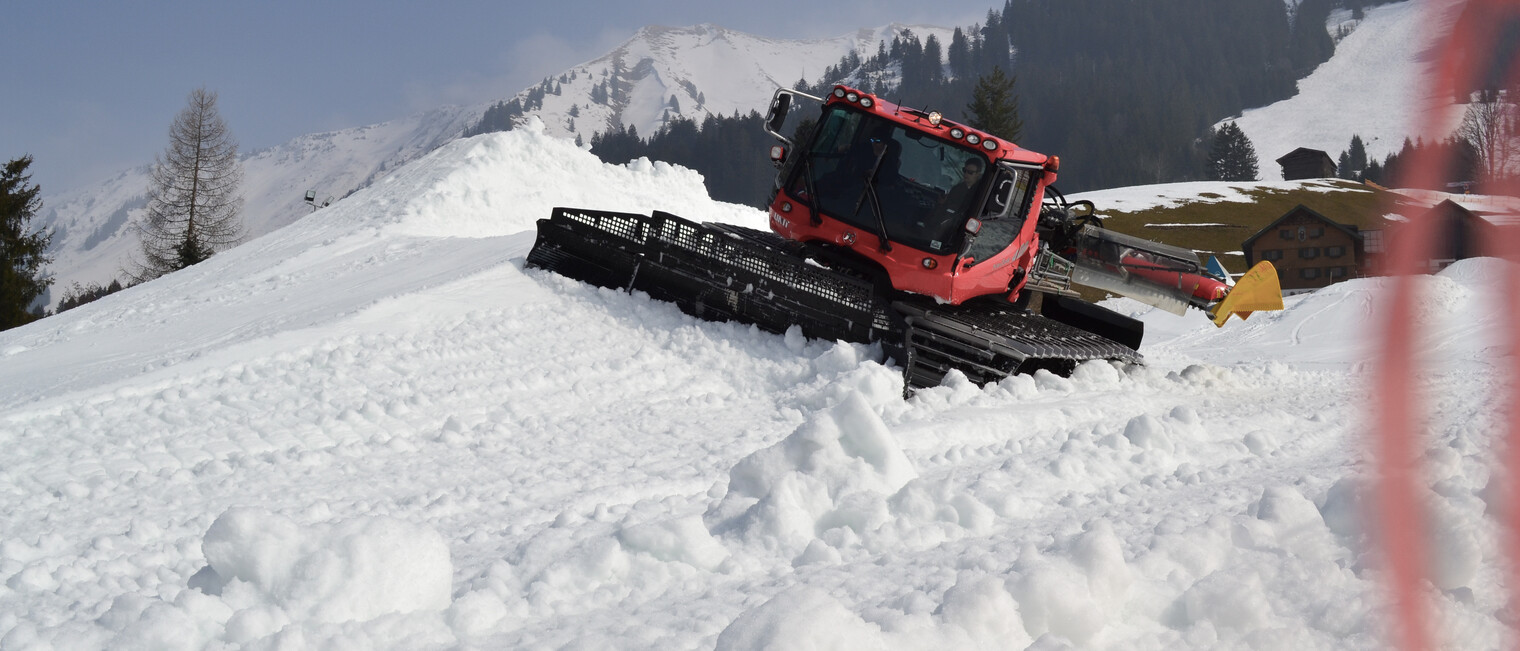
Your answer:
<point x="925" y="187"/>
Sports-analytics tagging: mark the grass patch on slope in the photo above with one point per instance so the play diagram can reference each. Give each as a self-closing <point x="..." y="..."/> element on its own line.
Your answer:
<point x="1219" y="228"/>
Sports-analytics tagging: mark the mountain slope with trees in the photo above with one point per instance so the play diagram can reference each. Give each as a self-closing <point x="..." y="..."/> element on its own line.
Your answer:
<point x="1126" y="93"/>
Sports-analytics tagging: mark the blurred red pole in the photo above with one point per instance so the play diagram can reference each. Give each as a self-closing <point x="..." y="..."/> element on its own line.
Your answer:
<point x="1506" y="246"/>
<point x="1399" y="414"/>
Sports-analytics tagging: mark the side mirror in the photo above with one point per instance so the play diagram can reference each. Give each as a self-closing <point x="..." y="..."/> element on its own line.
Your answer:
<point x="1000" y="195"/>
<point x="780" y="105"/>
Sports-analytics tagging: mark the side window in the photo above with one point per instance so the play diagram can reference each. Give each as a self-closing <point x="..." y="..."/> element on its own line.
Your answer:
<point x="1008" y="190"/>
<point x="1000" y="219"/>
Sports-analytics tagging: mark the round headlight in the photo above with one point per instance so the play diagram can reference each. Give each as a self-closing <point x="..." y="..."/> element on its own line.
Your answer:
<point x="839" y="92"/>
<point x="956" y="132"/>
<point x="854" y="97"/>
<point x="989" y="144"/>
<point x="866" y="102"/>
<point x="973" y="138"/>
<point x="930" y="263"/>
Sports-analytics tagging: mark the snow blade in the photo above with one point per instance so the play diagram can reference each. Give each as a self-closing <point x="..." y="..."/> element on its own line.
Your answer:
<point x="1258" y="289"/>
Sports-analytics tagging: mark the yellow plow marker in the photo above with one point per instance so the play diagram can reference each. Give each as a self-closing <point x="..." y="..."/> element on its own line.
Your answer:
<point x="1257" y="290"/>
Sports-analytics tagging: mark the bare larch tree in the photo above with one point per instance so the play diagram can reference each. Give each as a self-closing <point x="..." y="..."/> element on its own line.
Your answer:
<point x="193" y="199"/>
<point x="1492" y="126"/>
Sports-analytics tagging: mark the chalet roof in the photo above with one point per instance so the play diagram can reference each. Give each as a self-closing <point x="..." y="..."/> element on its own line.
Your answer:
<point x="1304" y="152"/>
<point x="1300" y="208"/>
<point x="1452" y="208"/>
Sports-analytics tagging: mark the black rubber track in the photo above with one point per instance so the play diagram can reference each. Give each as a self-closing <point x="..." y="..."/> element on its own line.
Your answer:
<point x="727" y="273"/>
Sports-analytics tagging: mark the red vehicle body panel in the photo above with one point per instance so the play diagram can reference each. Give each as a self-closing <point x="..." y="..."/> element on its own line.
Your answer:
<point x="947" y="277"/>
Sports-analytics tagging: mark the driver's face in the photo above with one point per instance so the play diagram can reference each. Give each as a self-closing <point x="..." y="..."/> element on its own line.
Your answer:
<point x="971" y="171"/>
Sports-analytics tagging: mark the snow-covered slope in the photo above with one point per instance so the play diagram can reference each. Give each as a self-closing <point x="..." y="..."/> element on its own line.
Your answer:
<point x="374" y="428"/>
<point x="1373" y="87"/>
<point x="94" y="238"/>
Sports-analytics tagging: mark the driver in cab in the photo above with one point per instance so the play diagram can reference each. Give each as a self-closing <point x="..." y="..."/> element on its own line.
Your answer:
<point x="952" y="205"/>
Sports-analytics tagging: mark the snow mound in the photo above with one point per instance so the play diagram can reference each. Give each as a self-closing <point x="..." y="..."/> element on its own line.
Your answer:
<point x="502" y="183"/>
<point x="356" y="570"/>
<point x="268" y="577"/>
<point x="836" y="470"/>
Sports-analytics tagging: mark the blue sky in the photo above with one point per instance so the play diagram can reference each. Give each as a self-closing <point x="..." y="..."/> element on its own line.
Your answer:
<point x="92" y="86"/>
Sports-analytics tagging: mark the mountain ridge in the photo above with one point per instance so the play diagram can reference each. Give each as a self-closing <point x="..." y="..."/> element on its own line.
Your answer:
<point x="93" y="241"/>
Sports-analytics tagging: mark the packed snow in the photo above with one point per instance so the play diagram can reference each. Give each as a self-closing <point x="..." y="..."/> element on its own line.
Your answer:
<point x="374" y="428"/>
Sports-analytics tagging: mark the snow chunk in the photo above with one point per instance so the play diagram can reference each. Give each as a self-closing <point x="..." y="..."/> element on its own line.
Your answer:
<point x="836" y="468"/>
<point x="1073" y="595"/>
<point x="1232" y="600"/>
<point x="351" y="571"/>
<point x="1287" y="520"/>
<point x="1148" y="433"/>
<point x="682" y="539"/>
<point x="980" y="605"/>
<point x="801" y="618"/>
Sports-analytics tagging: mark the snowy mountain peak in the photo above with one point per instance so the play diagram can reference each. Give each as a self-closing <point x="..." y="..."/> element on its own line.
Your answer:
<point x="663" y="72"/>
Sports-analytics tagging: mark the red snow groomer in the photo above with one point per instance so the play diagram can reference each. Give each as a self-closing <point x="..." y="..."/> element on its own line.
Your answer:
<point x="946" y="245"/>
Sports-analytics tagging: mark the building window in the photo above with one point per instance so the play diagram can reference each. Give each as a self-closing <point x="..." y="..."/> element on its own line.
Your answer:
<point x="1335" y="251"/>
<point x="1309" y="253"/>
<point x="1317" y="231"/>
<point x="1308" y="273"/>
<point x="1373" y="241"/>
<point x="1271" y="254"/>
<point x="1286" y="233"/>
<point x="1337" y="273"/>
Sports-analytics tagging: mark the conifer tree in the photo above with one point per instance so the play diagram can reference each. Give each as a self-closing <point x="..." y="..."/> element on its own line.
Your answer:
<point x="1232" y="157"/>
<point x="994" y="108"/>
<point x="193" y="199"/>
<point x="1356" y="157"/>
<point x="22" y="252"/>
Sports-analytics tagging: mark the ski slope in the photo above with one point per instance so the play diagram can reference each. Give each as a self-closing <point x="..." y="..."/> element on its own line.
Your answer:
<point x="1374" y="86"/>
<point x="374" y="428"/>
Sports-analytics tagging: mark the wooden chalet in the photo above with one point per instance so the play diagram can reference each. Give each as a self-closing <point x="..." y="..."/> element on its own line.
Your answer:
<point x="1460" y="234"/>
<point x="1305" y="163"/>
<point x="1308" y="249"/>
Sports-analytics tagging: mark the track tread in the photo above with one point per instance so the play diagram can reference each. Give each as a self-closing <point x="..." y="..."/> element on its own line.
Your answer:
<point x="731" y="273"/>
